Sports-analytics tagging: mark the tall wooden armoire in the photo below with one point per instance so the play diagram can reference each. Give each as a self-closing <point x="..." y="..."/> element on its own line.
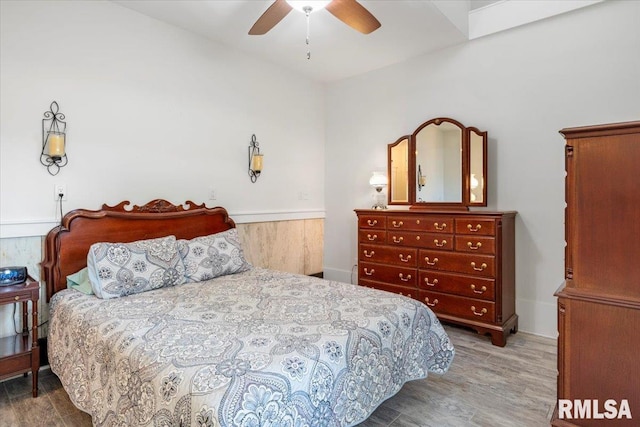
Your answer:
<point x="599" y="301"/>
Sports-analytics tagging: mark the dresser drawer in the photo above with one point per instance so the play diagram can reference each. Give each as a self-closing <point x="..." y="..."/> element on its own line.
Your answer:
<point x="407" y="223"/>
<point x="389" y="255"/>
<point x="475" y="265"/>
<point x="439" y="224"/>
<point x="403" y="238"/>
<point x="475" y="244"/>
<point x="372" y="236"/>
<point x="474" y="287"/>
<point x="400" y="290"/>
<point x="372" y="221"/>
<point x="477" y="226"/>
<point x="467" y="308"/>
<point x="420" y="240"/>
<point x="437" y="241"/>
<point x="388" y="274"/>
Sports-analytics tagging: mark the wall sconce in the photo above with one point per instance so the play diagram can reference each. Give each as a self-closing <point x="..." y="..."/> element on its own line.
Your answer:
<point x="422" y="180"/>
<point x="53" y="154"/>
<point x="255" y="159"/>
<point x="378" y="181"/>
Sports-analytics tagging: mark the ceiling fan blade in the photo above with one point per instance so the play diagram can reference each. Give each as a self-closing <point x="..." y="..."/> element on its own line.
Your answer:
<point x="278" y="10"/>
<point x="354" y="15"/>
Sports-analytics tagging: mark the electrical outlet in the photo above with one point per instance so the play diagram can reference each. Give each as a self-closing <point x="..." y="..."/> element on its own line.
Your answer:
<point x="60" y="189"/>
<point x="212" y="194"/>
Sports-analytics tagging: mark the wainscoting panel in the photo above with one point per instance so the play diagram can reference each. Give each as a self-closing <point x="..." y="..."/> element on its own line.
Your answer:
<point x="293" y="246"/>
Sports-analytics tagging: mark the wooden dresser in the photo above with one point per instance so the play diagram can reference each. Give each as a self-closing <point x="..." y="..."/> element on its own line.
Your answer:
<point x="599" y="302"/>
<point x="460" y="263"/>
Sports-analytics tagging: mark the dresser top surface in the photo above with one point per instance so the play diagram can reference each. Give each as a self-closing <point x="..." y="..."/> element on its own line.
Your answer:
<point x="601" y="130"/>
<point x="437" y="212"/>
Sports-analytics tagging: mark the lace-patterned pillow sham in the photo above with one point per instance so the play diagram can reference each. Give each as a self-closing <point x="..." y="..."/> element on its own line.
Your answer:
<point x="119" y="269"/>
<point x="211" y="256"/>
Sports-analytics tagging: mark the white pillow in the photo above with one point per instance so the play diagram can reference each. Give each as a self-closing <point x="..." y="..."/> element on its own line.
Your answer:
<point x="119" y="269"/>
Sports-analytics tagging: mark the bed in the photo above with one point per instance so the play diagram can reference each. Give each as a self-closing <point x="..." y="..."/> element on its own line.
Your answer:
<point x="254" y="348"/>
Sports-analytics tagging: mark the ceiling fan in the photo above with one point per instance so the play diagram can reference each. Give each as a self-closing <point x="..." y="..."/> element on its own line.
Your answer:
<point x="350" y="12"/>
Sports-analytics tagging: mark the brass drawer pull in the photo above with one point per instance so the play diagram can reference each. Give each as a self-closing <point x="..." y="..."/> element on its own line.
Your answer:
<point x="404" y="279"/>
<point x="17" y="298"/>
<point x="426" y="280"/>
<point x="481" y="313"/>
<point x="476" y="247"/>
<point x="417" y="221"/>
<point x="474" y="229"/>
<point x="409" y="295"/>
<point x="482" y="267"/>
<point x="397" y="240"/>
<point x="372" y="223"/>
<point x="417" y="237"/>
<point x="369" y="254"/>
<point x="481" y="291"/>
<point x="438" y="243"/>
<point x="431" y="304"/>
<point x="403" y="259"/>
<point x="434" y="262"/>
<point x="398" y="224"/>
<point x="372" y="238"/>
<point x="369" y="272"/>
<point x="440" y="227"/>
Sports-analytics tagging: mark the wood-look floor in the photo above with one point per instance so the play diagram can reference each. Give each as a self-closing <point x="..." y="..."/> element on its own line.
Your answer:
<point x="486" y="386"/>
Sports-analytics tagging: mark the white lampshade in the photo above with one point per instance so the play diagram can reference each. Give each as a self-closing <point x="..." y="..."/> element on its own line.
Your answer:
<point x="314" y="4"/>
<point x="378" y="180"/>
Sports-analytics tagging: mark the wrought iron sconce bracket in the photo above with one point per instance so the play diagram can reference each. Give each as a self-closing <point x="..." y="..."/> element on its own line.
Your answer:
<point x="53" y="154"/>
<point x="255" y="159"/>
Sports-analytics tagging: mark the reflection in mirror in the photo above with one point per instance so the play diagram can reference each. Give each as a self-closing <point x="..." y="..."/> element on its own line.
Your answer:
<point x="477" y="178"/>
<point x="439" y="163"/>
<point x="399" y="171"/>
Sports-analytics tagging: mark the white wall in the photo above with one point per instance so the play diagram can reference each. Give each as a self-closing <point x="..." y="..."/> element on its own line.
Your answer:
<point x="522" y="86"/>
<point x="153" y="112"/>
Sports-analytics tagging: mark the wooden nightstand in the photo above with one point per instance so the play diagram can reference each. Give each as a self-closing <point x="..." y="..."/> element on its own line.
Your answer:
<point x="20" y="353"/>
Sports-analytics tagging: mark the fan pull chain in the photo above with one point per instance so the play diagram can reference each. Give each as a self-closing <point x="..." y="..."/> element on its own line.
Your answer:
<point x="307" y="12"/>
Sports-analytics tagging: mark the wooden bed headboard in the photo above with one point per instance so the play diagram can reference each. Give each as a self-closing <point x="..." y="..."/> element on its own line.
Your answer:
<point x="67" y="246"/>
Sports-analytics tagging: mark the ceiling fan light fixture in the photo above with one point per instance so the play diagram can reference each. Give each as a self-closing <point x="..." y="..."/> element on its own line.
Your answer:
<point x="302" y="5"/>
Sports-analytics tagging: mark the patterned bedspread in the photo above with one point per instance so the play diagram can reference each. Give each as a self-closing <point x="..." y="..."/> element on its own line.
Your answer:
<point x="259" y="348"/>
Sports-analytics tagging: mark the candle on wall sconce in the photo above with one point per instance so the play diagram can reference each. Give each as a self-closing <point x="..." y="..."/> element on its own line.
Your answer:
<point x="53" y="154"/>
<point x="56" y="144"/>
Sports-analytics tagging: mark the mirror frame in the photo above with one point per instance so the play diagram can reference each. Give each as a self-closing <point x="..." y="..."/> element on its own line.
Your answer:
<point x="466" y="202"/>
<point x="389" y="171"/>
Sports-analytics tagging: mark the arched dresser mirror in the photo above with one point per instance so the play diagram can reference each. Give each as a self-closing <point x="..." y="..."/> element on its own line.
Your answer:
<point x="442" y="164"/>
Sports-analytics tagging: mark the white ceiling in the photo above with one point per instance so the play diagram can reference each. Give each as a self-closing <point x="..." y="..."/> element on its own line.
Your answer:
<point x="409" y="28"/>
